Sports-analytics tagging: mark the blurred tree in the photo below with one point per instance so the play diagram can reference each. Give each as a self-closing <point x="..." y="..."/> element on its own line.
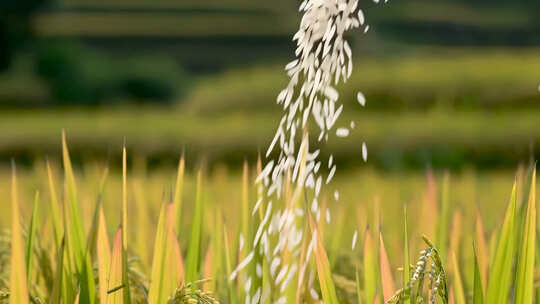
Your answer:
<point x="78" y="74"/>
<point x="15" y="26"/>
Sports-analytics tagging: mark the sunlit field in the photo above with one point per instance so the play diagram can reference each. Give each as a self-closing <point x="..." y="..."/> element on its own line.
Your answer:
<point x="282" y="152"/>
<point x="214" y="208"/>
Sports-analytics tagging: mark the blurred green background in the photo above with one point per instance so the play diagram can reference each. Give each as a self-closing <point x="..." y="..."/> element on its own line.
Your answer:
<point x="449" y="83"/>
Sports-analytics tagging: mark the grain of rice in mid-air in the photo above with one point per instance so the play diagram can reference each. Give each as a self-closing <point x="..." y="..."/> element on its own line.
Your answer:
<point x="342" y="132"/>
<point x="361" y="99"/>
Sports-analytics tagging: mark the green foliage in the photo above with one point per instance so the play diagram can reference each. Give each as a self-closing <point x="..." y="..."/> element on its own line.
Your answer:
<point x="79" y="75"/>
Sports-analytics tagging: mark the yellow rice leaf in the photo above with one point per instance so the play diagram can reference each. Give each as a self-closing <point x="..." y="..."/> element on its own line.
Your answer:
<point x="55" y="209"/>
<point x="370" y="268"/>
<point x="125" y="280"/>
<point x="458" y="284"/>
<point x="429" y="209"/>
<point x="17" y="279"/>
<point x="481" y="250"/>
<point x="455" y="233"/>
<point x="103" y="255"/>
<point x="324" y="273"/>
<point x="155" y="294"/>
<point x="387" y="280"/>
<point x="115" y="283"/>
<point x="178" y="190"/>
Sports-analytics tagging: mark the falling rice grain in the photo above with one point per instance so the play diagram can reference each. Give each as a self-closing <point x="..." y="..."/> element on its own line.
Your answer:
<point x="332" y="172"/>
<point x="361" y="99"/>
<point x="361" y="17"/>
<point x="364" y="151"/>
<point x="328" y="216"/>
<point x="241" y="265"/>
<point x="314" y="294"/>
<point x="241" y="242"/>
<point x="354" y="238"/>
<point x="342" y="132"/>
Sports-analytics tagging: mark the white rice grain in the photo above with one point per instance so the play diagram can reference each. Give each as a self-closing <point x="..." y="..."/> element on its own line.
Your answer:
<point x="361" y="99"/>
<point x="241" y="265"/>
<point x="354" y="238"/>
<point x="331" y="174"/>
<point x="342" y="132"/>
<point x="364" y="151"/>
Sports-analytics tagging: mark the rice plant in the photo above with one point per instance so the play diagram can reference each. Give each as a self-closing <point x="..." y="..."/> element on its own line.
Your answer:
<point x="42" y="269"/>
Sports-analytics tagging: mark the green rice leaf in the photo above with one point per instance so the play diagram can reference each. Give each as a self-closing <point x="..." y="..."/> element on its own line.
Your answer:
<point x="358" y="287"/>
<point x="442" y="239"/>
<point x="156" y="294"/>
<point x="501" y="271"/>
<point x="228" y="265"/>
<point x="194" y="249"/>
<point x="525" y="269"/>
<point x="31" y="236"/>
<point x="406" y="262"/>
<point x="76" y="243"/>
<point x="481" y="251"/>
<point x="56" y="294"/>
<point x="92" y="234"/>
<point x="370" y="268"/>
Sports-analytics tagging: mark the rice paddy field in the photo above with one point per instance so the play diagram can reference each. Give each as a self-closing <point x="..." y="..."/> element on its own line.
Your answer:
<point x="73" y="215"/>
<point x="143" y="161"/>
